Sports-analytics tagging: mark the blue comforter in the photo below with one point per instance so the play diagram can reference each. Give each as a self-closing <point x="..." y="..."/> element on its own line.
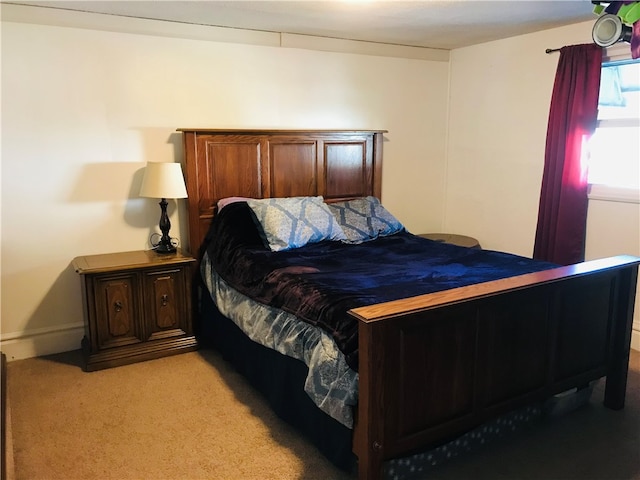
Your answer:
<point x="319" y="283"/>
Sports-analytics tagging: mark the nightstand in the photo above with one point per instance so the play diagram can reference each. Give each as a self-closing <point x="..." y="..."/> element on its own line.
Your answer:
<point x="137" y="306"/>
<point x="460" y="240"/>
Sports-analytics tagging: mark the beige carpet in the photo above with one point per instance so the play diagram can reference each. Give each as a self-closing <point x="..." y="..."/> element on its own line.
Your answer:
<point x="191" y="417"/>
<point x="182" y="417"/>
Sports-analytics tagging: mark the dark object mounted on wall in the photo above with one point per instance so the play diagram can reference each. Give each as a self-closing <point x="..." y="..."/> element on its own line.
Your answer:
<point x="619" y="21"/>
<point x="609" y="29"/>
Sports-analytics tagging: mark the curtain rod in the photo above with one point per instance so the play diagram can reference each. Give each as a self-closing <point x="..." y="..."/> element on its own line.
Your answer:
<point x="552" y="50"/>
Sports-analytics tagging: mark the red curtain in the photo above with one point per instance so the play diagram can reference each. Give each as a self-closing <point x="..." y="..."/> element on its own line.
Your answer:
<point x="562" y="214"/>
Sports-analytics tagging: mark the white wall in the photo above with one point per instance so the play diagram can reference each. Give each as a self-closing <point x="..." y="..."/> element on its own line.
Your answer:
<point x="500" y="96"/>
<point x="499" y="105"/>
<point x="614" y="228"/>
<point x="83" y="110"/>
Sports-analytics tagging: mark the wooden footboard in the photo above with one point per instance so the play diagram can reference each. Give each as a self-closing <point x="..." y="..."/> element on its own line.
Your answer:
<point x="437" y="365"/>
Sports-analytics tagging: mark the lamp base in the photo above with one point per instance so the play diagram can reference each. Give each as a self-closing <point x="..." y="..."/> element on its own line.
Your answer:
<point x="161" y="248"/>
<point x="165" y="245"/>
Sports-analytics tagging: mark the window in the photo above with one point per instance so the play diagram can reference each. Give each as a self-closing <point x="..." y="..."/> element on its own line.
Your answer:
<point x="614" y="149"/>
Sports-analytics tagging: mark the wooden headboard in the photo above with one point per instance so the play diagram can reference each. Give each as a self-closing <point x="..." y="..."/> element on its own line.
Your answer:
<point x="337" y="164"/>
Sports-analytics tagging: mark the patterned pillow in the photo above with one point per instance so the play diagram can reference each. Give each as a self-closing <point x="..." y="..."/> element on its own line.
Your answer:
<point x="364" y="219"/>
<point x="293" y="222"/>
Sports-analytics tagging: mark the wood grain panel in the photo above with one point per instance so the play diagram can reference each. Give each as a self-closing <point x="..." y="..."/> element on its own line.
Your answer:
<point x="436" y="369"/>
<point x="225" y="166"/>
<point x="515" y="334"/>
<point x="231" y="167"/>
<point x="348" y="170"/>
<point x="118" y="308"/>
<point x="338" y="164"/>
<point x="584" y="321"/>
<point x="165" y="303"/>
<point x="294" y="166"/>
<point x="116" y="304"/>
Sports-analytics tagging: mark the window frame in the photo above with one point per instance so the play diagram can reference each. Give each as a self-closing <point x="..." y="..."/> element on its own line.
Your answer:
<point x="616" y="53"/>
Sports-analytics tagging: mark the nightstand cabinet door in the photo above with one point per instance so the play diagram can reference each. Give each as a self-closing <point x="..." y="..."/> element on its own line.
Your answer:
<point x="117" y="311"/>
<point x="165" y="303"/>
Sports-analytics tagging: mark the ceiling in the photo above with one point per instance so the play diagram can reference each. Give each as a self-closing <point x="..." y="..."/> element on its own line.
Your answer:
<point x="445" y="24"/>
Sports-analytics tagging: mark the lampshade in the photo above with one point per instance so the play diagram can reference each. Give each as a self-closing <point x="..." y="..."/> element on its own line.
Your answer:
<point x="163" y="180"/>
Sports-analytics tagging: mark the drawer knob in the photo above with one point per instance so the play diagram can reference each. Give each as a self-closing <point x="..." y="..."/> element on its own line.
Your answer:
<point x="118" y="306"/>
<point x="164" y="299"/>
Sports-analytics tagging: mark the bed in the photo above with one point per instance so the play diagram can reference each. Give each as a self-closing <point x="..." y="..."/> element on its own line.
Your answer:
<point x="430" y="366"/>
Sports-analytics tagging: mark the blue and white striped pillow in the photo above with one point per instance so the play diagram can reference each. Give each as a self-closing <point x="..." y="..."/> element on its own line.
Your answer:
<point x="364" y="219"/>
<point x="293" y="222"/>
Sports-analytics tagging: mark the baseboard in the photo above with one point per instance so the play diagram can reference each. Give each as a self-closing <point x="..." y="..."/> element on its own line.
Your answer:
<point x="43" y="341"/>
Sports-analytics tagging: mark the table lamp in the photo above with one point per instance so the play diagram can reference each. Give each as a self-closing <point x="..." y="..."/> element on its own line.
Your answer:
<point x="163" y="180"/>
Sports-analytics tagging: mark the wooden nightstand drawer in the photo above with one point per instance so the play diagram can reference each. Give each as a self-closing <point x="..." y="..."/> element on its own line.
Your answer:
<point x="137" y="306"/>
